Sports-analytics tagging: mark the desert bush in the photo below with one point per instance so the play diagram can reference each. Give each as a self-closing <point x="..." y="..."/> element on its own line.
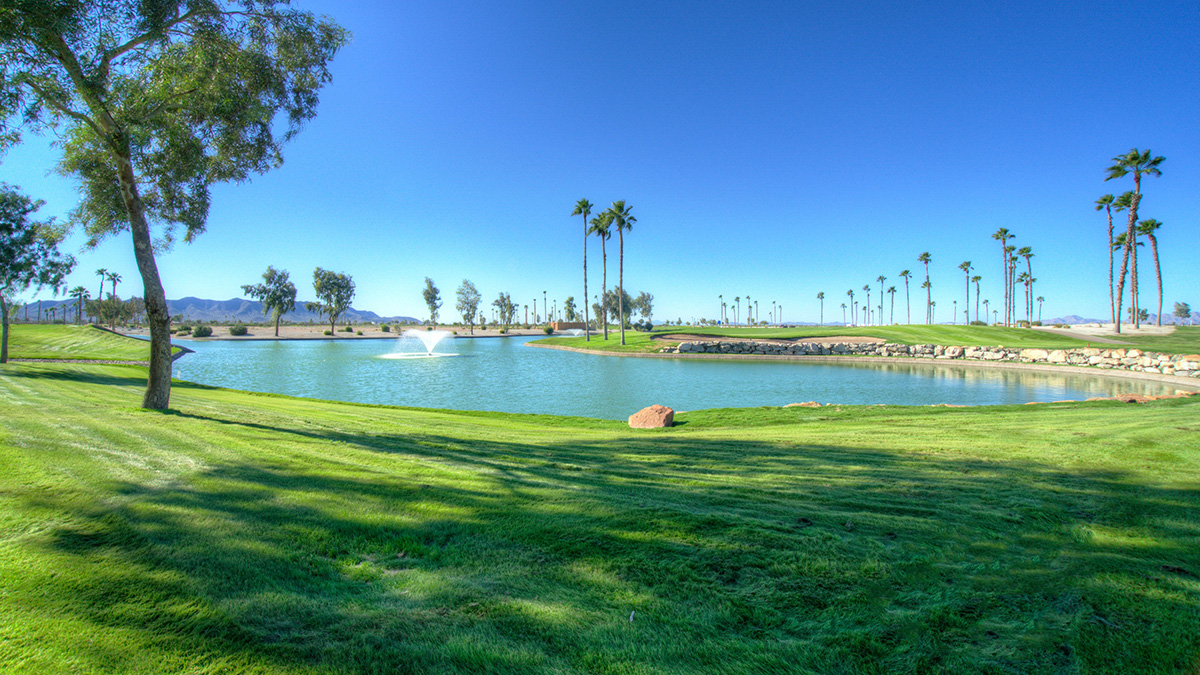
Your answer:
<point x="359" y="332"/>
<point x="548" y="330"/>
<point x="202" y="331"/>
<point x="347" y="329"/>
<point x="385" y="328"/>
<point x="237" y="329"/>
<point x="328" y="332"/>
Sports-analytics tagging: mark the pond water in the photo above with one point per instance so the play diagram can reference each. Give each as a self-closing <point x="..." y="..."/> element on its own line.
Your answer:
<point x="503" y="374"/>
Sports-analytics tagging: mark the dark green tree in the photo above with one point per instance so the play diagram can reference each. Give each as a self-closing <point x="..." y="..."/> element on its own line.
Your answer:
<point x="276" y="293"/>
<point x="569" y="311"/>
<point x="29" y="254"/>
<point x="433" y="300"/>
<point x="468" y="303"/>
<point x="335" y="291"/>
<point x="156" y="101"/>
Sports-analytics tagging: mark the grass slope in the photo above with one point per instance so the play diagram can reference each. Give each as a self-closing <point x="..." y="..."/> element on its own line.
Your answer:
<point x="33" y="341"/>
<point x="243" y="533"/>
<point x="1183" y="340"/>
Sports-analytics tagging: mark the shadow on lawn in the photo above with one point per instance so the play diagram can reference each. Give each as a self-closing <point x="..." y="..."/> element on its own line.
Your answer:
<point x="505" y="556"/>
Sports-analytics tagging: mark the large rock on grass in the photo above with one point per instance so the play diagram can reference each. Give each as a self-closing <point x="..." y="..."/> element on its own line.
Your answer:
<point x="652" y="418"/>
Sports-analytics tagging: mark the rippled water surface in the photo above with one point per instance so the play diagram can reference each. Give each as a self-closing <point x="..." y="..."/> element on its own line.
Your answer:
<point x="504" y="374"/>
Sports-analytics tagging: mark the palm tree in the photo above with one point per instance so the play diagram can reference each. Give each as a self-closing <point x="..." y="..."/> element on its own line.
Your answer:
<point x="103" y="274"/>
<point x="80" y="294"/>
<point x="584" y="208"/>
<point x="1002" y="236"/>
<point x="1148" y="228"/>
<point x="932" y="305"/>
<point x="976" y="279"/>
<point x="852" y="305"/>
<point x="821" y="297"/>
<point x="1026" y="252"/>
<point x="985" y="308"/>
<point x="843" y="314"/>
<point x="892" y="306"/>
<point x="1137" y="163"/>
<point x="721" y="314"/>
<point x="866" y="315"/>
<point x="880" y="279"/>
<point x="114" y="278"/>
<point x="907" y="304"/>
<point x="737" y="309"/>
<point x="1023" y="279"/>
<point x="757" y="316"/>
<point x="1012" y="283"/>
<point x="925" y="258"/>
<point x="1106" y="203"/>
<point x="965" y="266"/>
<point x="600" y="228"/>
<point x="1121" y="204"/>
<point x="1040" y="300"/>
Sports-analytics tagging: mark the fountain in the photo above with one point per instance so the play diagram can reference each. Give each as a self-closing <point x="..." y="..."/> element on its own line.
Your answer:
<point x="574" y="332"/>
<point x="428" y="339"/>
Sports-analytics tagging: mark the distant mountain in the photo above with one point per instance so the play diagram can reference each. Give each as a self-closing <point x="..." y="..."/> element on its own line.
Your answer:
<point x="237" y="309"/>
<point x="1074" y="319"/>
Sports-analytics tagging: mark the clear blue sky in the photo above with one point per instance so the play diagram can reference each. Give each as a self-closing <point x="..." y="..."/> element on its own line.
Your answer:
<point x="768" y="149"/>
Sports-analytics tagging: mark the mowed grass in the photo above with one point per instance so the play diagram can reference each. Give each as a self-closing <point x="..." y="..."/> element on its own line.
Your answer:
<point x="34" y="341"/>
<point x="244" y="533"/>
<point x="1183" y="340"/>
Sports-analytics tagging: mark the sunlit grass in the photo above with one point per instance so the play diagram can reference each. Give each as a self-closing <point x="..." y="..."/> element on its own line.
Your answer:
<point x="252" y="533"/>
<point x="34" y="341"/>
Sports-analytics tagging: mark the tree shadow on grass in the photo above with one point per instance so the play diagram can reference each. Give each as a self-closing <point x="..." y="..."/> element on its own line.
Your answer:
<point x="436" y="553"/>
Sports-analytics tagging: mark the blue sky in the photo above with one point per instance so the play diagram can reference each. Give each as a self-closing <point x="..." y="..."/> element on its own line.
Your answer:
<point x="768" y="149"/>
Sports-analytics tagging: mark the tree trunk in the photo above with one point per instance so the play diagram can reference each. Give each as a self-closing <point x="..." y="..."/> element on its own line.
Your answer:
<point x="621" y="283"/>
<point x="1121" y="282"/>
<point x="278" y="316"/>
<point x="3" y="329"/>
<point x="1158" y="275"/>
<point x="587" y="331"/>
<point x="604" y="287"/>
<point x="158" y="384"/>
<point x="907" y="301"/>
<point x="1111" y="298"/>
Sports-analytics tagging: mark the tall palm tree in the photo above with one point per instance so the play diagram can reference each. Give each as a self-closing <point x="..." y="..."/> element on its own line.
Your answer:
<point x="584" y="208"/>
<point x="103" y="274"/>
<point x="1148" y="228"/>
<point x="880" y="279"/>
<point x="932" y="305"/>
<point x="965" y="266"/>
<point x="737" y="309"/>
<point x="866" y="315"/>
<point x="976" y="279"/>
<point x="925" y="258"/>
<point x="1012" y="284"/>
<point x="80" y="294"/>
<point x="1026" y="252"/>
<point x="1023" y="279"/>
<point x="821" y="297"/>
<point x="601" y="228"/>
<point x="843" y="314"/>
<point x="852" y="305"/>
<point x="985" y="308"/>
<point x="907" y="300"/>
<point x="1106" y="202"/>
<point x="114" y="278"/>
<point x="1121" y="204"/>
<point x="721" y="314"/>
<point x="1136" y="163"/>
<point x="749" y="312"/>
<point x="892" y="306"/>
<point x="1040" y="300"/>
<point x="1002" y="236"/>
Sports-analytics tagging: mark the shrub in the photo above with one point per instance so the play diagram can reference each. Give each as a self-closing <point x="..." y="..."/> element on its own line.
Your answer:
<point x="548" y="330"/>
<point x="328" y="332"/>
<point x="237" y="329"/>
<point x="978" y="323"/>
<point x="503" y="331"/>
<point x="359" y="332"/>
<point x="202" y="331"/>
<point x="385" y="328"/>
<point x="347" y="329"/>
<point x="1037" y="323"/>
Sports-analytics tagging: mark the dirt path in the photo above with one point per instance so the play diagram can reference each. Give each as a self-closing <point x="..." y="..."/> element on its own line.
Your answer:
<point x="852" y="339"/>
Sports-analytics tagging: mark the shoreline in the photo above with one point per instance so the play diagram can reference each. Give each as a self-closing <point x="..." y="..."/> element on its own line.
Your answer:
<point x="1188" y="383"/>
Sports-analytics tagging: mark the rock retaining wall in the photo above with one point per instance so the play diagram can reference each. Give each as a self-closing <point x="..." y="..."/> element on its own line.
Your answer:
<point x="1186" y="365"/>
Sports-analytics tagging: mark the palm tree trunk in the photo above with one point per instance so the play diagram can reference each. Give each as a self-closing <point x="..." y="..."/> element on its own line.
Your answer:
<point x="604" y="286"/>
<point x="1111" y="298"/>
<point x="621" y="282"/>
<point x="1121" y="283"/>
<point x="587" y="332"/>
<point x="1157" y="274"/>
<point x="907" y="301"/>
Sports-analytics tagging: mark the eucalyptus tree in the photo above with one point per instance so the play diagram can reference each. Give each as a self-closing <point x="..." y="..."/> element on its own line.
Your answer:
<point x="433" y="300"/>
<point x="334" y="291"/>
<point x="906" y="275"/>
<point x="976" y="279"/>
<point x="891" y="305"/>
<point x="1148" y="228"/>
<point x="1002" y="235"/>
<point x="925" y="258"/>
<point x="1183" y="311"/>
<point x="1106" y="202"/>
<point x="155" y="102"/>
<point x="80" y="294"/>
<point x="468" y="303"/>
<point x="570" y="311"/>
<point x="602" y="227"/>
<point x="276" y="293"/>
<point x="1138" y="164"/>
<point x="584" y="208"/>
<point x="821" y="298"/>
<point x="29" y="255"/>
<point x="965" y="266"/>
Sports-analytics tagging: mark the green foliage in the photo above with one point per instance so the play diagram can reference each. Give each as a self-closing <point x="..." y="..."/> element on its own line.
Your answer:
<point x="506" y="309"/>
<point x="202" y="331"/>
<point x="548" y="330"/>
<point x="347" y="329"/>
<point x="335" y="291"/>
<point x="31" y="341"/>
<point x="276" y="293"/>
<point x="432" y="297"/>
<point x="385" y="328"/>
<point x="29" y="254"/>
<point x="359" y="332"/>
<point x="329" y="332"/>
<point x="238" y="330"/>
<point x="468" y="303"/>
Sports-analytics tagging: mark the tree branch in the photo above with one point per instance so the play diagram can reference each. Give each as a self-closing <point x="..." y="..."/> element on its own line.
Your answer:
<point x="142" y="39"/>
<point x="63" y="108"/>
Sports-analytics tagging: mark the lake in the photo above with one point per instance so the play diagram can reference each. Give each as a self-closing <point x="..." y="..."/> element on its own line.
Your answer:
<point x="503" y="374"/>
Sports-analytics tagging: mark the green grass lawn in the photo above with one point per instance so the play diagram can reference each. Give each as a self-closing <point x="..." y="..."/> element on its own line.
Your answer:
<point x="33" y="341"/>
<point x="245" y="533"/>
<point x="1183" y="340"/>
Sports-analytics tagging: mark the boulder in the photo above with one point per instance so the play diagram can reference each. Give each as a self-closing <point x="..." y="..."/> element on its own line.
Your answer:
<point x="652" y="418"/>
<point x="1133" y="398"/>
<point x="806" y="404"/>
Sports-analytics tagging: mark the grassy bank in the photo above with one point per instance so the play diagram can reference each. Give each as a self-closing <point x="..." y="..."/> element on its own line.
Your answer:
<point x="33" y="341"/>
<point x="1184" y="340"/>
<point x="243" y="533"/>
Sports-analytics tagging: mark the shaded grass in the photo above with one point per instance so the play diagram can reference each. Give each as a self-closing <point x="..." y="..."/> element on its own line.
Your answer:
<point x="1183" y="340"/>
<point x="254" y="533"/>
<point x="34" y="341"/>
